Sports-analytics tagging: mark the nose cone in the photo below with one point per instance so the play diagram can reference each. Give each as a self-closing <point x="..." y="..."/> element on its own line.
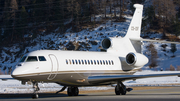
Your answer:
<point x="15" y="73"/>
<point x="18" y="72"/>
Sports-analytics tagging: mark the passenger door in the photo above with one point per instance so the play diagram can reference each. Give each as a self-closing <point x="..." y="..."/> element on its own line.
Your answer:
<point x="54" y="66"/>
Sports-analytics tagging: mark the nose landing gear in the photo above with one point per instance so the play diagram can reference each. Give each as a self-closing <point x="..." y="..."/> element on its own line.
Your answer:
<point x="36" y="89"/>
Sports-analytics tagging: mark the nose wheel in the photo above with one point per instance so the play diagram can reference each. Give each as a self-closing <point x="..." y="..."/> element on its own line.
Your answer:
<point x="73" y="91"/>
<point x="36" y="89"/>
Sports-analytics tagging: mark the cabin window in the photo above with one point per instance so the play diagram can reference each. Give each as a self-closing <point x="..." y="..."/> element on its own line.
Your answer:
<point x="69" y="61"/>
<point x="85" y="62"/>
<point x="98" y="62"/>
<point x="79" y="61"/>
<point x="92" y="62"/>
<point x="23" y="59"/>
<point x="95" y="62"/>
<point x="112" y="62"/>
<point x="109" y="62"/>
<point x="73" y="61"/>
<point x="106" y="62"/>
<point x="42" y="58"/>
<point x="101" y="62"/>
<point x="66" y="61"/>
<point x="82" y="62"/>
<point x="76" y="61"/>
<point x="32" y="59"/>
<point x="88" y="62"/>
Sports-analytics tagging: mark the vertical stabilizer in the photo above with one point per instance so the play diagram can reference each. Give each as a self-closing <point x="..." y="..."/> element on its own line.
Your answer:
<point x="135" y="25"/>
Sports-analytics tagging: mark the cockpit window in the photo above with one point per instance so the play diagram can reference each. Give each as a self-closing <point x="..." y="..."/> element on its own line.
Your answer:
<point x="23" y="58"/>
<point x="42" y="58"/>
<point x="31" y="59"/>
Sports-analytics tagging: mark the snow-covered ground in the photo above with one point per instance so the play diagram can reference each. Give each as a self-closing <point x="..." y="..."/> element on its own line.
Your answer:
<point x="14" y="86"/>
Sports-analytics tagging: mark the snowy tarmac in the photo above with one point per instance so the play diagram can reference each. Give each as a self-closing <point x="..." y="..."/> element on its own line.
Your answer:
<point x="162" y="94"/>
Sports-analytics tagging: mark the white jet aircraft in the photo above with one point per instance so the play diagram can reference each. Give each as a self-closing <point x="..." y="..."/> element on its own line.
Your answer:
<point x="74" y="69"/>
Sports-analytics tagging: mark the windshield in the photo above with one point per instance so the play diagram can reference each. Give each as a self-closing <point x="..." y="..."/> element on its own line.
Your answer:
<point x="23" y="59"/>
<point x="42" y="58"/>
<point x="32" y="59"/>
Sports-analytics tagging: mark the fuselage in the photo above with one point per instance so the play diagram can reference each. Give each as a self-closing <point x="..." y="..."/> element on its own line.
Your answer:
<point x="67" y="67"/>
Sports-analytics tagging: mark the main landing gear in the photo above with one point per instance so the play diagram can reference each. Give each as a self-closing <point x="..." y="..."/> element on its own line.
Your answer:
<point x="72" y="91"/>
<point x="36" y="89"/>
<point x="120" y="89"/>
<point x="61" y="90"/>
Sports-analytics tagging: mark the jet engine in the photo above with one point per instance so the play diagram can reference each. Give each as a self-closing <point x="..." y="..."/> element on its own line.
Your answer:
<point x="136" y="59"/>
<point x="106" y="43"/>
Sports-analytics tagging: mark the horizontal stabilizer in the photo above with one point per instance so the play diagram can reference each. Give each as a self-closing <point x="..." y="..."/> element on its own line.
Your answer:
<point x="150" y="40"/>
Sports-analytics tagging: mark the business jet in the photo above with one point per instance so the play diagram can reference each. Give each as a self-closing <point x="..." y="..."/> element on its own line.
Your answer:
<point x="73" y="69"/>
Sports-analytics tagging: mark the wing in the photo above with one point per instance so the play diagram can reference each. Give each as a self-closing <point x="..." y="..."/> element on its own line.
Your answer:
<point x="109" y="78"/>
<point x="6" y="77"/>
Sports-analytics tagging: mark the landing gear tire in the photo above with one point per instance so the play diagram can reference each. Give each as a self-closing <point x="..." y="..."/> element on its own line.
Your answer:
<point x="36" y="89"/>
<point x="76" y="91"/>
<point x="120" y="89"/>
<point x="123" y="92"/>
<point x="69" y="91"/>
<point x="117" y="91"/>
<point x="35" y="96"/>
<point x="73" y="91"/>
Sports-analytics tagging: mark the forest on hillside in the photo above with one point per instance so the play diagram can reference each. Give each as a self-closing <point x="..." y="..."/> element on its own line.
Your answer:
<point x="22" y="20"/>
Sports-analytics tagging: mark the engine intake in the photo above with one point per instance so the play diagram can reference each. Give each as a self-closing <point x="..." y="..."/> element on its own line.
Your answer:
<point x="136" y="59"/>
<point x="106" y="43"/>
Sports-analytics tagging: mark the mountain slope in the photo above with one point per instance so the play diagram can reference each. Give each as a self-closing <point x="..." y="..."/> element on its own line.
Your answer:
<point x="86" y="40"/>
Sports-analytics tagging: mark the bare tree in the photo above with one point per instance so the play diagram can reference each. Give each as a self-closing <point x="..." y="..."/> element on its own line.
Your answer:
<point x="153" y="51"/>
<point x="121" y="8"/>
<point x="104" y="6"/>
<point x="77" y="12"/>
<point x="178" y="68"/>
<point x="115" y="5"/>
<point x="110" y="8"/>
<point x="166" y="12"/>
<point x="172" y="68"/>
<point x="71" y="9"/>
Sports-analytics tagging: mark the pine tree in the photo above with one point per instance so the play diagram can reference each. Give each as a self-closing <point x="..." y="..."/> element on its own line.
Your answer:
<point x="22" y="20"/>
<point x="173" y="49"/>
<point x="9" y="18"/>
<point x="149" y="17"/>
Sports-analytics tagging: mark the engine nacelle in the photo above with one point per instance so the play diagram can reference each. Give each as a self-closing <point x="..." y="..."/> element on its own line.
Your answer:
<point x="106" y="43"/>
<point x="136" y="59"/>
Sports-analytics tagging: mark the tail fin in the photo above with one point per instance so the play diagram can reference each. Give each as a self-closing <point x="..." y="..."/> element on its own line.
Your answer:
<point x="135" y="25"/>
